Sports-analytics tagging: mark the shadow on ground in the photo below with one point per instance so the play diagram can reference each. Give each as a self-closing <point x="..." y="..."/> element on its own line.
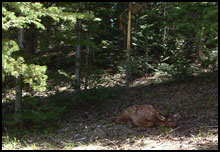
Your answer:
<point x="89" y="118"/>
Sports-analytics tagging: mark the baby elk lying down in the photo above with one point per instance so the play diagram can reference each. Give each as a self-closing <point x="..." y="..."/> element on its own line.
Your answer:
<point x="146" y="116"/>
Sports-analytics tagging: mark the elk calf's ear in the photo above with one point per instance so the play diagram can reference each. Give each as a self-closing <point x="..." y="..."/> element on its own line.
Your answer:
<point x="161" y="117"/>
<point x="177" y="115"/>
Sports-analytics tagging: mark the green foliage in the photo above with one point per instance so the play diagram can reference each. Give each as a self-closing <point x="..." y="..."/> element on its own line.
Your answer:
<point x="183" y="29"/>
<point x="92" y="96"/>
<point x="154" y="32"/>
<point x="36" y="114"/>
<point x="95" y="77"/>
<point x="163" y="69"/>
<point x="209" y="58"/>
<point x="139" y="65"/>
<point x="30" y="13"/>
<point x="9" y="63"/>
<point x="177" y="71"/>
<point x="34" y="75"/>
<point x="100" y="97"/>
<point x="40" y="117"/>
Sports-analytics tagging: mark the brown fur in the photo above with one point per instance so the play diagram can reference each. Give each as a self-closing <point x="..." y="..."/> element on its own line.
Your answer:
<point x="145" y="116"/>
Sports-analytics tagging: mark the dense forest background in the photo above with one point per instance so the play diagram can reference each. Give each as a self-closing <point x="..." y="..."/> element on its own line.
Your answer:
<point x="57" y="57"/>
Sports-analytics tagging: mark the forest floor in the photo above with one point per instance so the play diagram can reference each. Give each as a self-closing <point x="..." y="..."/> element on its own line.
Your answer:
<point x="92" y="126"/>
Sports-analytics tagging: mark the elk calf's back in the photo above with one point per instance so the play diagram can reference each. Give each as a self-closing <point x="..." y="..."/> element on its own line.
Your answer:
<point x="145" y="116"/>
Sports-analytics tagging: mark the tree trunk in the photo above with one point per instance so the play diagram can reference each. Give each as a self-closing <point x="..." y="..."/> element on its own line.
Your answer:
<point x="18" y="98"/>
<point x="78" y="51"/>
<point x="19" y="80"/>
<point x="128" y="46"/>
<point x="86" y="67"/>
<point x="31" y="40"/>
<point x="164" y="15"/>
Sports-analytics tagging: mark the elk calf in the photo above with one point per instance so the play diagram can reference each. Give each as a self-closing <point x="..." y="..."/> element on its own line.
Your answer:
<point x="146" y="116"/>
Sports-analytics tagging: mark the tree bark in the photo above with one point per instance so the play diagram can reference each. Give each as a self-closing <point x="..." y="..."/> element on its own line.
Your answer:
<point x="128" y="46"/>
<point x="78" y="53"/>
<point x="19" y="80"/>
<point x="31" y="39"/>
<point x="86" y="67"/>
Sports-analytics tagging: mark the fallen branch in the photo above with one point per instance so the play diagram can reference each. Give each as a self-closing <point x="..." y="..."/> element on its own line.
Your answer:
<point x="200" y="117"/>
<point x="211" y="126"/>
<point x="175" y="128"/>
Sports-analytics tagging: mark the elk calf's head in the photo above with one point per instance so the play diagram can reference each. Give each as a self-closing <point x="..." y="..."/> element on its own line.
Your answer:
<point x="146" y="116"/>
<point x="166" y="121"/>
